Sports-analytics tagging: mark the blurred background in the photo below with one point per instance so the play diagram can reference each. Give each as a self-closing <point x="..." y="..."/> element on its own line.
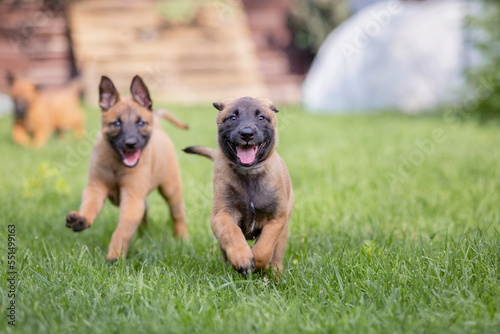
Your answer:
<point x="329" y="55"/>
<point x="396" y="217"/>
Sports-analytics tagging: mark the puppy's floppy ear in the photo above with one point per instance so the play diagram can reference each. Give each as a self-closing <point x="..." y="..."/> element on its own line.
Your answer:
<point x="108" y="95"/>
<point x="141" y="93"/>
<point x="10" y="78"/>
<point x="218" y="105"/>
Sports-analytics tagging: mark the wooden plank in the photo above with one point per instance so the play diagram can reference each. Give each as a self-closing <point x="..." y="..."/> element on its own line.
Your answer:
<point x="170" y="54"/>
<point x="204" y="66"/>
<point x="99" y="5"/>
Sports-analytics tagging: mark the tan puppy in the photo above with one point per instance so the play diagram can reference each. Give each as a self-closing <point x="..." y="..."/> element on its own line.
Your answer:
<point x="253" y="195"/>
<point x="39" y="113"/>
<point x="131" y="157"/>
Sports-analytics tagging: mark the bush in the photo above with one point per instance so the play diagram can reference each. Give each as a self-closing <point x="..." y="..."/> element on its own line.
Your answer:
<point x="311" y="21"/>
<point x="485" y="77"/>
<point x="186" y="11"/>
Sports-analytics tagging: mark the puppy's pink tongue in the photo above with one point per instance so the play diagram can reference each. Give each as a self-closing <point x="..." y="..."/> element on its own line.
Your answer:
<point x="246" y="155"/>
<point x="131" y="157"/>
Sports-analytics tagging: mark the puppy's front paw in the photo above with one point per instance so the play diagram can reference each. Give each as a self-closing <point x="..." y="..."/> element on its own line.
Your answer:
<point x="75" y="222"/>
<point x="241" y="258"/>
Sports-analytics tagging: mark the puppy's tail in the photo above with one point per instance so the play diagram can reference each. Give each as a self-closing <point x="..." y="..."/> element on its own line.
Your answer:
<point x="171" y="118"/>
<point x="202" y="150"/>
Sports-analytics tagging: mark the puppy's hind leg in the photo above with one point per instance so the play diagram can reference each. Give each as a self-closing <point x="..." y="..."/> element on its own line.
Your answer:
<point x="20" y="135"/>
<point x="78" y="128"/>
<point x="60" y="134"/>
<point x="276" y="262"/>
<point x="41" y="136"/>
<point x="171" y="190"/>
<point x="144" y="220"/>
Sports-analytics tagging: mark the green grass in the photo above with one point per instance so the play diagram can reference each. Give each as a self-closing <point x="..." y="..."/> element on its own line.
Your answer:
<point x="386" y="237"/>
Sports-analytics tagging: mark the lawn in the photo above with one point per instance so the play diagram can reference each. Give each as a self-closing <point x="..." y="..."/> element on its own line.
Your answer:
<point x="396" y="229"/>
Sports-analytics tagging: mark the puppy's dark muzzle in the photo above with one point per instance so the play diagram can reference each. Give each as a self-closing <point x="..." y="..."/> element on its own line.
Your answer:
<point x="20" y="107"/>
<point x="247" y="134"/>
<point x="131" y="143"/>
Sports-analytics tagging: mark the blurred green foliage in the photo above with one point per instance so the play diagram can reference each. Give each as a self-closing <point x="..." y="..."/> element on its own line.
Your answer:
<point x="178" y="11"/>
<point x="185" y="11"/>
<point x="486" y="77"/>
<point x="45" y="182"/>
<point x="311" y="21"/>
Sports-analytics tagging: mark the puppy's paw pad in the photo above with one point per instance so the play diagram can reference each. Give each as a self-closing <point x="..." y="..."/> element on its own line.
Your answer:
<point x="75" y="222"/>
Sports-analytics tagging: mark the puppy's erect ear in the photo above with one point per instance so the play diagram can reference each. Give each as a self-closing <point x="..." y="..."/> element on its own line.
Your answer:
<point x="218" y="105"/>
<point x="10" y="78"/>
<point x="141" y="93"/>
<point x="108" y="95"/>
<point x="269" y="104"/>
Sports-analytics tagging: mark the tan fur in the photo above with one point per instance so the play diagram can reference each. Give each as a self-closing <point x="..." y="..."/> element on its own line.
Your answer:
<point x="48" y="111"/>
<point x="269" y="249"/>
<point x="270" y="246"/>
<point x="128" y="187"/>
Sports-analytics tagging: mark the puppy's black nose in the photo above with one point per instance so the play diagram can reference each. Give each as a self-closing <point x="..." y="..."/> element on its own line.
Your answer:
<point x="247" y="133"/>
<point x="131" y="142"/>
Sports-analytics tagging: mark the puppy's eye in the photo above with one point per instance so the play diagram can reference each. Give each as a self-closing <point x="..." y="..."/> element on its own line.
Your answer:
<point x="233" y="118"/>
<point x="261" y="118"/>
<point x="117" y="123"/>
<point x="141" y="123"/>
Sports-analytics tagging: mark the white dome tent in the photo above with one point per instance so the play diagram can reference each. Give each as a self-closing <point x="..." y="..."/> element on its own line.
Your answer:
<point x="391" y="55"/>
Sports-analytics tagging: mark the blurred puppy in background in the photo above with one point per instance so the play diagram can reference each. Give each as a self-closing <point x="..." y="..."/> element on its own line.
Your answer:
<point x="39" y="113"/>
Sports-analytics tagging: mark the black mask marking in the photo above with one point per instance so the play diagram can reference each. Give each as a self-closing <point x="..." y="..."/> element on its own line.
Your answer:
<point x="128" y="135"/>
<point x="20" y="108"/>
<point x="246" y="135"/>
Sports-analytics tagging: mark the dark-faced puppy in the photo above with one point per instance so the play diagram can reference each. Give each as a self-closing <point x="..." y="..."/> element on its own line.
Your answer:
<point x="253" y="195"/>
<point x="131" y="157"/>
<point x="39" y="113"/>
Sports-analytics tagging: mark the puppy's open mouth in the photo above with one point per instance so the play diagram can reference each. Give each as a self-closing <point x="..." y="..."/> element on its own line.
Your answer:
<point x="130" y="158"/>
<point x="247" y="154"/>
